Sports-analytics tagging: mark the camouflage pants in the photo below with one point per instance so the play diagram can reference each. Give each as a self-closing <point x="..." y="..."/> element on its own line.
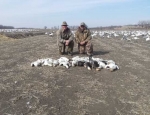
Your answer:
<point x="63" y="48"/>
<point x="87" y="47"/>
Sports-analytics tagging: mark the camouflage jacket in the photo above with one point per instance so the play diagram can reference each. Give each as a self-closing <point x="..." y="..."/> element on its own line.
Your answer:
<point x="84" y="35"/>
<point x="64" y="35"/>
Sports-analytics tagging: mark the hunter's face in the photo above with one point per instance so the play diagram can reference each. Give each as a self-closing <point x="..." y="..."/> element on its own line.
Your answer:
<point x="82" y="27"/>
<point x="64" y="27"/>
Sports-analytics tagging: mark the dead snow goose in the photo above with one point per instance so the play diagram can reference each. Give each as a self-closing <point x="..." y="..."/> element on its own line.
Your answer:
<point x="37" y="63"/>
<point x="111" y="66"/>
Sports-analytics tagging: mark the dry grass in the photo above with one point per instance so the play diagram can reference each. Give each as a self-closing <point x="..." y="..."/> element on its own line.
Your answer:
<point x="4" y="38"/>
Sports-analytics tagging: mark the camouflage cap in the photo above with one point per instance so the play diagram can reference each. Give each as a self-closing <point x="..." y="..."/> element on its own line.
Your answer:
<point x="82" y="24"/>
<point x="64" y="23"/>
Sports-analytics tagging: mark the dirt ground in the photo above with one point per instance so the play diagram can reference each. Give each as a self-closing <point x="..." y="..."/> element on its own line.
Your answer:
<point x="26" y="90"/>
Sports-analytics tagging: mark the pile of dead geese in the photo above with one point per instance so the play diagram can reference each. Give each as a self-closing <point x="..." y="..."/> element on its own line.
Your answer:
<point x="87" y="62"/>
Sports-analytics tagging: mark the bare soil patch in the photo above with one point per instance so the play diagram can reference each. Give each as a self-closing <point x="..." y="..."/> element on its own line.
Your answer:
<point x="26" y="90"/>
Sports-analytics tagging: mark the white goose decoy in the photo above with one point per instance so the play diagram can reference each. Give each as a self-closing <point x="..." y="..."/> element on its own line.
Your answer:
<point x="148" y="38"/>
<point x="108" y="36"/>
<point x="93" y="35"/>
<point x="51" y="34"/>
<point x="135" y="38"/>
<point x="115" y="35"/>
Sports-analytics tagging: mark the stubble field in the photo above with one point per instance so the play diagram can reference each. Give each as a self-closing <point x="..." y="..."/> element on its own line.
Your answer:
<point x="26" y="90"/>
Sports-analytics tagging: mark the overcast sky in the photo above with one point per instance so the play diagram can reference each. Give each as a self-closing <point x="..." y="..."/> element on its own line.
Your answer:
<point x="40" y="13"/>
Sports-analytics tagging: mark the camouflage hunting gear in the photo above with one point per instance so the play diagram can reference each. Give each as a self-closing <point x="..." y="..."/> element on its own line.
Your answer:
<point x="84" y="35"/>
<point x="64" y="35"/>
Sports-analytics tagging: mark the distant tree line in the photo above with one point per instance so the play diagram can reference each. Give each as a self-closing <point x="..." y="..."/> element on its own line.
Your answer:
<point x="144" y="24"/>
<point x="73" y="27"/>
<point x="55" y="28"/>
<point x="6" y="27"/>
